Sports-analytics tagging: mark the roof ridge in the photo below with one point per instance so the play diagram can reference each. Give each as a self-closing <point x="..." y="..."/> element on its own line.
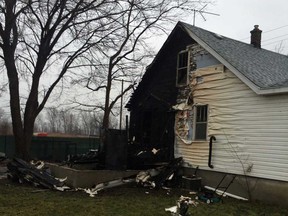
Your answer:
<point x="229" y="38"/>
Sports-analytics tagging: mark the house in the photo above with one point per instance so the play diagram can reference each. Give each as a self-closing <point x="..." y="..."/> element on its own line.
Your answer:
<point x="151" y="118"/>
<point x="201" y="86"/>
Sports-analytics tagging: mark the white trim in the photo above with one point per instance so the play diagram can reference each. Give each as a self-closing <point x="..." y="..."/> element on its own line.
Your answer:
<point x="273" y="91"/>
<point x="244" y="79"/>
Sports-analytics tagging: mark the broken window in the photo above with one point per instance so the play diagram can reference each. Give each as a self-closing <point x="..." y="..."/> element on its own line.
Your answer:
<point x="182" y="69"/>
<point x="201" y="122"/>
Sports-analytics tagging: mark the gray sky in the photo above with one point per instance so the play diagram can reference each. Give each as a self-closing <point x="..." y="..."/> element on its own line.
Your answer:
<point x="238" y="17"/>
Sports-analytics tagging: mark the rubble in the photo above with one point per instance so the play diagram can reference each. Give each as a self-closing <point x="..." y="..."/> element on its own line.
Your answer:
<point x="152" y="178"/>
<point x="156" y="178"/>
<point x="92" y="156"/>
<point x="2" y="156"/>
<point x="167" y="172"/>
<point x="146" y="157"/>
<point x="114" y="183"/>
<point x="3" y="172"/>
<point x="3" y="166"/>
<point x="181" y="209"/>
<point x="37" y="174"/>
<point x="34" y="173"/>
<point x="143" y="178"/>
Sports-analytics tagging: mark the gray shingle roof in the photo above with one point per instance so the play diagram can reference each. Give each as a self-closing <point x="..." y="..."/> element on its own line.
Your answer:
<point x="264" y="68"/>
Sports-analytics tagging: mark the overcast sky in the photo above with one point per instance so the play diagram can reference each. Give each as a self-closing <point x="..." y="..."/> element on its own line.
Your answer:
<point x="238" y="17"/>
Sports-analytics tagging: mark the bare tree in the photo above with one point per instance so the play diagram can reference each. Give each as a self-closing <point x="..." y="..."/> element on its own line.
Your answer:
<point x="91" y="122"/>
<point x="126" y="48"/>
<point x="69" y="121"/>
<point x="41" y="39"/>
<point x="280" y="48"/>
<point x="65" y="120"/>
<point x="40" y="124"/>
<point x="54" y="120"/>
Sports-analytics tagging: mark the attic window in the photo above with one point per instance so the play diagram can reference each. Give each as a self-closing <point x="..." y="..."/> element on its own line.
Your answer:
<point x="182" y="69"/>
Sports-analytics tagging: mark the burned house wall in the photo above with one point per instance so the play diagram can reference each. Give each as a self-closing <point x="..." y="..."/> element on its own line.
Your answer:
<point x="184" y="118"/>
<point x="151" y="117"/>
<point x="251" y="130"/>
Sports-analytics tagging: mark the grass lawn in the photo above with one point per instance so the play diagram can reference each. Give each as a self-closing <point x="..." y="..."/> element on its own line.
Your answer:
<point x="18" y="199"/>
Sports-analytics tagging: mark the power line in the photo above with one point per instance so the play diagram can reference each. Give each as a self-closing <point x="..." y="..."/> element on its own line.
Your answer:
<point x="274" y="38"/>
<point x="275" y="29"/>
<point x="267" y="31"/>
<point x="275" y="42"/>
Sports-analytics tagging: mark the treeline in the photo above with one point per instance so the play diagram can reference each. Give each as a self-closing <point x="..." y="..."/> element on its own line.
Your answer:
<point x="61" y="120"/>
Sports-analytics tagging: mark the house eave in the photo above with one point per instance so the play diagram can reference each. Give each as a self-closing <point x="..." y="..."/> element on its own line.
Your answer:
<point x="272" y="91"/>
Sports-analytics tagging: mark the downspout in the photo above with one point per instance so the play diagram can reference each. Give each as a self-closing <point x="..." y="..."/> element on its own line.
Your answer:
<point x="210" y="151"/>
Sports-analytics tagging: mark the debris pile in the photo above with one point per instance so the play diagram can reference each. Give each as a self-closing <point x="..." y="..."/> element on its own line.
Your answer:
<point x="114" y="183"/>
<point x="157" y="178"/>
<point x="37" y="174"/>
<point x="2" y="156"/>
<point x="181" y="209"/>
<point x="3" y="166"/>
<point x="91" y="156"/>
<point x="143" y="158"/>
<point x="34" y="173"/>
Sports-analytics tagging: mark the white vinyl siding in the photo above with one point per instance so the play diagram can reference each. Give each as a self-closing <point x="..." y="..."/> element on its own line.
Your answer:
<point x="251" y="130"/>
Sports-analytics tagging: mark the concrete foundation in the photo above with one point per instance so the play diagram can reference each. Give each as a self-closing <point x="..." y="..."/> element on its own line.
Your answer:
<point x="265" y="190"/>
<point x="87" y="178"/>
<point x="254" y="189"/>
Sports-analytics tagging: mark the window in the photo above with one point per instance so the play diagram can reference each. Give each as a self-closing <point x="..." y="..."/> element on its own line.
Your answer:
<point x="201" y="122"/>
<point x="182" y="69"/>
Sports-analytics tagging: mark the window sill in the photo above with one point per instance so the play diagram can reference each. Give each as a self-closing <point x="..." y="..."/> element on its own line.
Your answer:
<point x="200" y="141"/>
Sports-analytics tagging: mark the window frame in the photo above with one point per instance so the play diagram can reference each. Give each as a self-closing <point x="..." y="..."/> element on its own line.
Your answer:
<point x="178" y="84"/>
<point x="195" y="138"/>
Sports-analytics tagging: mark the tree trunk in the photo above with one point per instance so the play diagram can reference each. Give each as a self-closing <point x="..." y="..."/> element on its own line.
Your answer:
<point x="105" y="122"/>
<point x="23" y="141"/>
<point x="20" y="147"/>
<point x="22" y="130"/>
<point x="23" y="135"/>
<point x="107" y="108"/>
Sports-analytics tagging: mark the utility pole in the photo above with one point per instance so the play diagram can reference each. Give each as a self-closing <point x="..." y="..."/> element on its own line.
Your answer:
<point x="121" y="104"/>
<point x="121" y="100"/>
